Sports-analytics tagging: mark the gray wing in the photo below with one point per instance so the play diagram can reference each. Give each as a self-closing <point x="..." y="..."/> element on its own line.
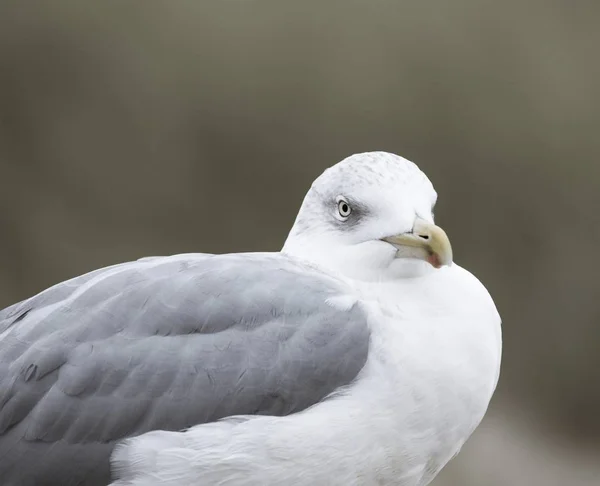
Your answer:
<point x="164" y="344"/>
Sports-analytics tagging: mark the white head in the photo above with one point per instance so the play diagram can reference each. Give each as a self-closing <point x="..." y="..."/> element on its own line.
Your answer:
<point x="370" y="217"/>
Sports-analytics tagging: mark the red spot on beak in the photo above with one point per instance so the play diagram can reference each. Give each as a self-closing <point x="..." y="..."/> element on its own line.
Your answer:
<point x="434" y="260"/>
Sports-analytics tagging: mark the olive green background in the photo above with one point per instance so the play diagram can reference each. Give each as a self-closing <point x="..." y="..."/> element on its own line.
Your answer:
<point x="130" y="129"/>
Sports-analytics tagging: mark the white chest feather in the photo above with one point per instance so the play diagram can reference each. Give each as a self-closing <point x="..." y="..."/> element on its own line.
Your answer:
<point x="435" y="364"/>
<point x="432" y="369"/>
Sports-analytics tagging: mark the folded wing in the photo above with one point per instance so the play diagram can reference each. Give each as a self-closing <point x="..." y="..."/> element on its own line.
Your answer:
<point x="164" y="344"/>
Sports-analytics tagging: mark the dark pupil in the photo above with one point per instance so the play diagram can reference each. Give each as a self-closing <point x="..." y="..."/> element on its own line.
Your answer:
<point x="344" y="208"/>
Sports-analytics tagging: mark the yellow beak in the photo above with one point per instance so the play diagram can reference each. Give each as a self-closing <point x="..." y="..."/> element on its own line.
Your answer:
<point x="430" y="238"/>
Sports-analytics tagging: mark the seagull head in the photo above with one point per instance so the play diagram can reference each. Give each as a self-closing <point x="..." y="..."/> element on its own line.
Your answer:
<point x="370" y="217"/>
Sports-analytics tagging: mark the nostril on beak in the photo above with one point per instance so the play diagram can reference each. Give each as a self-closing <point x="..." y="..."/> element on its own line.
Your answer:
<point x="425" y="237"/>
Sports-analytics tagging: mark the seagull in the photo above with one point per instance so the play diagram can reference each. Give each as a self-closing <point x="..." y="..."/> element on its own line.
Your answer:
<point x="358" y="355"/>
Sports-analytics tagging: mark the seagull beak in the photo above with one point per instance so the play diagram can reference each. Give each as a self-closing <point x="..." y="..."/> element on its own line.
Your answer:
<point x="430" y="242"/>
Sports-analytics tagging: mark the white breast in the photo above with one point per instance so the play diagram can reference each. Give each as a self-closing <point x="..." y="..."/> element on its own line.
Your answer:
<point x="433" y="367"/>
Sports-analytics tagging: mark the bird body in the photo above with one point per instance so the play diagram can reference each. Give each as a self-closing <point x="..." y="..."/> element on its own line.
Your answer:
<point x="392" y="426"/>
<point x="358" y="355"/>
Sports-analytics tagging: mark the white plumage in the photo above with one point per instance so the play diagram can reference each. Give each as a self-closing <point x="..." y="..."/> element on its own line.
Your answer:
<point x="432" y="367"/>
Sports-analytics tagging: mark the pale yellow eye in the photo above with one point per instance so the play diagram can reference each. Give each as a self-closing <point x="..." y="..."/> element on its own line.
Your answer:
<point x="344" y="209"/>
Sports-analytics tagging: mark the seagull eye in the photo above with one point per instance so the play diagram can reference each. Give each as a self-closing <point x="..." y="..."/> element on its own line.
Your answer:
<point x="344" y="209"/>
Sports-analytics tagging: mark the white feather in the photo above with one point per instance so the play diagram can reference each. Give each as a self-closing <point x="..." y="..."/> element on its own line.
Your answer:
<point x="433" y="365"/>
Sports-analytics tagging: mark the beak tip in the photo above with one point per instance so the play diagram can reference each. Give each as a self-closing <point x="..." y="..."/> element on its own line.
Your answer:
<point x="432" y="241"/>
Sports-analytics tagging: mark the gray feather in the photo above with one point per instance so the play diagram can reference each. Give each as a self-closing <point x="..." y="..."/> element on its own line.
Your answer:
<point x="164" y="343"/>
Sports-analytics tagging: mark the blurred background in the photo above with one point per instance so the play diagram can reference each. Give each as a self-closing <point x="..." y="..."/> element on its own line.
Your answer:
<point x="130" y="129"/>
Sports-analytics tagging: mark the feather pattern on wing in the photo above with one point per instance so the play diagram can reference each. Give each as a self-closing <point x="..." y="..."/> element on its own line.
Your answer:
<point x="164" y="343"/>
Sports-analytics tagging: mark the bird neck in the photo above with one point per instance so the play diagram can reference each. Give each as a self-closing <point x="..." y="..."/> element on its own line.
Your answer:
<point x="363" y="263"/>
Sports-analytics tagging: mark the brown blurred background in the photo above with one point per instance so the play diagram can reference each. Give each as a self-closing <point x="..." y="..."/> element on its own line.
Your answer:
<point x="140" y="128"/>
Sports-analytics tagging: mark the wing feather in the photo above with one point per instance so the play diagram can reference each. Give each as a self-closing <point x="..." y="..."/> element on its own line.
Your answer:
<point x="164" y="343"/>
